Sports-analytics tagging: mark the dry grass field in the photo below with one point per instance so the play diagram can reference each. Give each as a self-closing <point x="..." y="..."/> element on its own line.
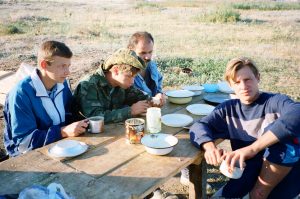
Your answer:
<point x="200" y="34"/>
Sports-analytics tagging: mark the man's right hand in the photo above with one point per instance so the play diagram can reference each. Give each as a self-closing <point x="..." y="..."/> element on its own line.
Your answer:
<point x="74" y="129"/>
<point x="139" y="108"/>
<point x="212" y="154"/>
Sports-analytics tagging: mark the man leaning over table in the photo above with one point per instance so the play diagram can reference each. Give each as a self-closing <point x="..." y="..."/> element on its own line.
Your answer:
<point x="148" y="80"/>
<point x="37" y="109"/>
<point x="264" y="131"/>
<point x="109" y="92"/>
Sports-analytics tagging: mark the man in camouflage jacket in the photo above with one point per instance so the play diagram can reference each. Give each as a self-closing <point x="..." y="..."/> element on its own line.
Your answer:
<point x="109" y="92"/>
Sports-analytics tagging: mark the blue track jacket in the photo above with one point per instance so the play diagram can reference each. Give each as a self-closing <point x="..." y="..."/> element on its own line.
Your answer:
<point x="32" y="118"/>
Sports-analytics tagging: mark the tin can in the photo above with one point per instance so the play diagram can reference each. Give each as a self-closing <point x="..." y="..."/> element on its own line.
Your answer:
<point x="134" y="130"/>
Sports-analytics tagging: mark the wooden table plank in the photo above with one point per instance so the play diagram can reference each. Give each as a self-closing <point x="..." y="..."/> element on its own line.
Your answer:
<point x="106" y="158"/>
<point x="142" y="175"/>
<point x="25" y="170"/>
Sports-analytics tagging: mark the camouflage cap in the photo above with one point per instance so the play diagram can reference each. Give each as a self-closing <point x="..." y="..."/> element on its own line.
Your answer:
<point x="124" y="56"/>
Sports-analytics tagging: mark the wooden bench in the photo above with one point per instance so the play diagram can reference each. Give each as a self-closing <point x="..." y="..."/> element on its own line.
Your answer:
<point x="7" y="81"/>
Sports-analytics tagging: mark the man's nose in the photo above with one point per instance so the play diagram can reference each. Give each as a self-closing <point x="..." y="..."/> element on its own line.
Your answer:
<point x="67" y="71"/>
<point x="147" y="57"/>
<point x="243" y="85"/>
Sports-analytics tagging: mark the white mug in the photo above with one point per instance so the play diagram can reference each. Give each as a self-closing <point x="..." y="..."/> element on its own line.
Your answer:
<point x="96" y="124"/>
<point x="236" y="173"/>
<point x="153" y="117"/>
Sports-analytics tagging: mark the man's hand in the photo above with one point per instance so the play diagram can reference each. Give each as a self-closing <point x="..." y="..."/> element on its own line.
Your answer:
<point x="74" y="129"/>
<point x="139" y="108"/>
<point x="212" y="154"/>
<point x="159" y="100"/>
<point x="242" y="154"/>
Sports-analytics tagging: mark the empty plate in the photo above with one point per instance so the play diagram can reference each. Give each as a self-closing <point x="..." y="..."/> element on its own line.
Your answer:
<point x="200" y="109"/>
<point x="225" y="88"/>
<point x="215" y="99"/>
<point x="67" y="148"/>
<point x="176" y="120"/>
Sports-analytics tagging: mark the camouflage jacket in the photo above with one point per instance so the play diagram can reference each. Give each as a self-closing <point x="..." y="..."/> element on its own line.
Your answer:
<point x="94" y="96"/>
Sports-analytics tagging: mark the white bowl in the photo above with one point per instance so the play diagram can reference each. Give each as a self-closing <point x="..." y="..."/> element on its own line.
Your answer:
<point x="159" y="143"/>
<point x="67" y="148"/>
<point x="180" y="96"/>
<point x="235" y="174"/>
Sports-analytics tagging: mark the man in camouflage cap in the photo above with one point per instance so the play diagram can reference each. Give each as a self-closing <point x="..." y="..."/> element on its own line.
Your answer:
<point x="109" y="91"/>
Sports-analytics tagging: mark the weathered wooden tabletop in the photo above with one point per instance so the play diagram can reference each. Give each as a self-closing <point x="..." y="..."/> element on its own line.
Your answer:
<point x="110" y="168"/>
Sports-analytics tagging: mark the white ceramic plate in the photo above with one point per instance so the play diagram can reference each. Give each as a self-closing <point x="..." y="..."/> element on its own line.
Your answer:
<point x="159" y="143"/>
<point x="180" y="93"/>
<point x="225" y="88"/>
<point x="67" y="148"/>
<point x="200" y="109"/>
<point x="176" y="120"/>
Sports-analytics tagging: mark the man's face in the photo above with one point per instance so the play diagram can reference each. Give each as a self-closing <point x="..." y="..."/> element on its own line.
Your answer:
<point x="144" y="50"/>
<point x="245" y="85"/>
<point x="124" y="79"/>
<point x="59" y="69"/>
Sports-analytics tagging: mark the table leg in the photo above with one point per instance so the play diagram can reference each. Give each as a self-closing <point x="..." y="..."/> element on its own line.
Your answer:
<point x="198" y="177"/>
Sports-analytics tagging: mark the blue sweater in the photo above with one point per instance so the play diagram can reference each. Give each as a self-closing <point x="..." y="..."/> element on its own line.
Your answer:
<point x="243" y="124"/>
<point x="28" y="124"/>
<point x="152" y="83"/>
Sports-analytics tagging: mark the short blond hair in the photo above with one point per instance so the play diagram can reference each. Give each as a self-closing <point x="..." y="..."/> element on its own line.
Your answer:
<point x="49" y="49"/>
<point x="238" y="63"/>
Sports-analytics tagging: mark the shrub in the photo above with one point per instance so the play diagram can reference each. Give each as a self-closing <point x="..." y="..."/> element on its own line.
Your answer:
<point x="9" y="29"/>
<point x="223" y="15"/>
<point x="203" y="70"/>
<point x="267" y="6"/>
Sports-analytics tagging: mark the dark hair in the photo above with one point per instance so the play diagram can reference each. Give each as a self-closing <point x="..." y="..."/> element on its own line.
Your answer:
<point x="49" y="49"/>
<point x="136" y="37"/>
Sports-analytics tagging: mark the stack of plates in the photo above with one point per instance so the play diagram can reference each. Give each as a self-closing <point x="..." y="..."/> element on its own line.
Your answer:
<point x="194" y="88"/>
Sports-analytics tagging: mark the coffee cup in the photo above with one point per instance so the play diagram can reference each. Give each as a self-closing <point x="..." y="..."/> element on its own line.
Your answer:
<point x="96" y="124"/>
<point x="134" y="130"/>
<point x="235" y="173"/>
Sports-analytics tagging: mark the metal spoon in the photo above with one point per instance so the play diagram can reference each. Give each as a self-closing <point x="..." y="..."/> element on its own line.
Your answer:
<point x="83" y="115"/>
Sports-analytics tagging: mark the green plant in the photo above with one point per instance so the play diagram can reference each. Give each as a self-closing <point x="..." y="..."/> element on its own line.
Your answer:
<point x="203" y="70"/>
<point x="267" y="5"/>
<point x="146" y="5"/>
<point x="10" y="29"/>
<point x="222" y="15"/>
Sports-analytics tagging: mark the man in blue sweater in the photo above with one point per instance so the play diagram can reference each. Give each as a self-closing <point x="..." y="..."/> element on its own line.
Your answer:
<point x="264" y="131"/>
<point x="149" y="80"/>
<point x="37" y="109"/>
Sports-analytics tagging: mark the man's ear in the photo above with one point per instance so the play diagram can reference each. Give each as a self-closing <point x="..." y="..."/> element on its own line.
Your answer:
<point x="258" y="77"/>
<point x="43" y="64"/>
<point x="115" y="70"/>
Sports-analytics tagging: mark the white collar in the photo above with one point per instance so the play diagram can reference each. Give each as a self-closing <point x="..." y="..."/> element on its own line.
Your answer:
<point x="40" y="87"/>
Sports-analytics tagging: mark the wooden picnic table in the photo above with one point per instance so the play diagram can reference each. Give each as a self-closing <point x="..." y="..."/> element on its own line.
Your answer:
<point x="110" y="168"/>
